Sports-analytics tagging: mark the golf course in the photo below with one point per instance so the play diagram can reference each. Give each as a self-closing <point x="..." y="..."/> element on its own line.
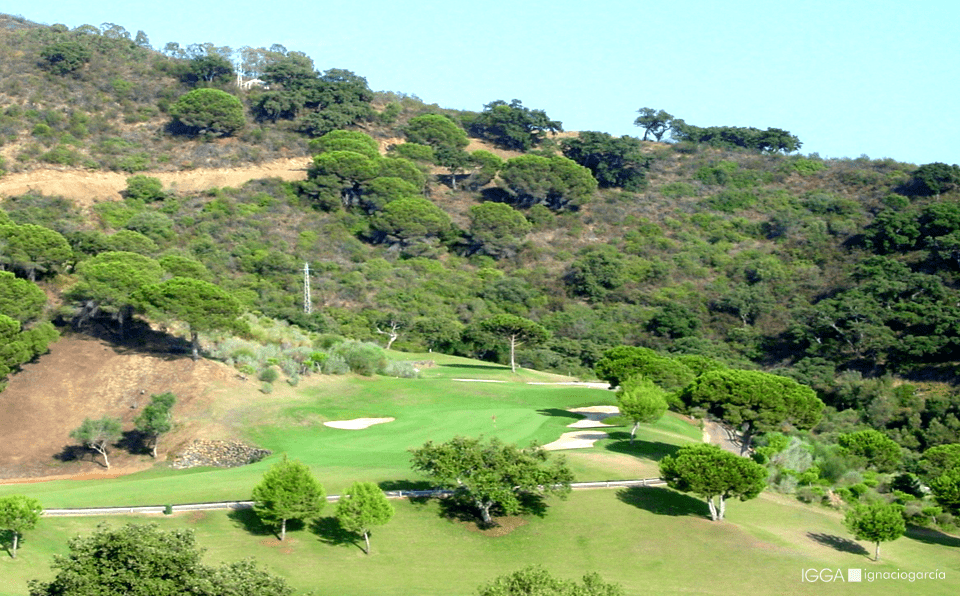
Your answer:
<point x="650" y="540"/>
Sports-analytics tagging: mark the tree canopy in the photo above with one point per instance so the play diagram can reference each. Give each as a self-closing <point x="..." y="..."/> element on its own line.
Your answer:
<point x="517" y="330"/>
<point x="654" y="122"/>
<point x="641" y="401"/>
<point x="714" y="474"/>
<point x="208" y="111"/>
<point x="492" y="473"/>
<point x="142" y="560"/>
<point x="623" y="362"/>
<point x="363" y="507"/>
<point x="753" y="401"/>
<point x="156" y="419"/>
<point x="877" y="522"/>
<point x="110" y="280"/>
<point x="33" y="249"/>
<point x="98" y="435"/>
<point x="537" y="581"/>
<point x="202" y="305"/>
<point x="614" y="162"/>
<point x="497" y="229"/>
<point x="288" y="491"/>
<point x="20" y="299"/>
<point x="873" y="448"/>
<point x="18" y="513"/>
<point x="514" y="126"/>
<point x="556" y="182"/>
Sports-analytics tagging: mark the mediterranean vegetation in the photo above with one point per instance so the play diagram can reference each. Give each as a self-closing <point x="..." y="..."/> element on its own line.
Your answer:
<point x="463" y="267"/>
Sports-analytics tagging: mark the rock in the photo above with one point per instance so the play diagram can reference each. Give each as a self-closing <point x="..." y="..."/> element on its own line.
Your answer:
<point x="220" y="454"/>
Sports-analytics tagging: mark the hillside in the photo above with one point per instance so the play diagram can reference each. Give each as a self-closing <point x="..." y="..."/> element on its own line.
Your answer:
<point x="723" y="244"/>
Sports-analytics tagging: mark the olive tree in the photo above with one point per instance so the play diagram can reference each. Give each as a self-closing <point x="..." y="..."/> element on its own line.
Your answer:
<point x="18" y="513"/>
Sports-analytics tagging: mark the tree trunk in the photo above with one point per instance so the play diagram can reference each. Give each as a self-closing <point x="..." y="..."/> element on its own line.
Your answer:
<point x="746" y="439"/>
<point x="485" y="512"/>
<point x="713" y="508"/>
<point x="16" y="538"/>
<point x="102" y="450"/>
<point x="513" y="350"/>
<point x="283" y="529"/>
<point x="153" y="451"/>
<point x="876" y="553"/>
<point x="366" y="538"/>
<point x="195" y="344"/>
<point x="723" y="507"/>
<point x="633" y="431"/>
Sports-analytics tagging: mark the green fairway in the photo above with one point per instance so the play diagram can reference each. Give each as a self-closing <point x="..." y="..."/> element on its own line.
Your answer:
<point x="650" y="540"/>
<point x="435" y="407"/>
<point x="639" y="538"/>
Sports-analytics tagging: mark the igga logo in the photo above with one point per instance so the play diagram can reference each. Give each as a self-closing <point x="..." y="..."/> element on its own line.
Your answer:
<point x="823" y="575"/>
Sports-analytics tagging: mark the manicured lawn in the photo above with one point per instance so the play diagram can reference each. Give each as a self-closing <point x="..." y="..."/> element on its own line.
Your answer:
<point x="652" y="541"/>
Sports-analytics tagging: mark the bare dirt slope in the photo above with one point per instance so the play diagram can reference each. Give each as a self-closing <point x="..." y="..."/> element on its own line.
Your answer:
<point x="86" y="377"/>
<point x="86" y="187"/>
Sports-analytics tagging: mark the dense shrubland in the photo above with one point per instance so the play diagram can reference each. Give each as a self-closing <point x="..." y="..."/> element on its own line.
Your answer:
<point x="718" y="250"/>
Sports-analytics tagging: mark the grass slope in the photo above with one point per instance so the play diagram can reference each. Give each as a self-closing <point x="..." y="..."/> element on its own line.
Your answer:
<point x="638" y="537"/>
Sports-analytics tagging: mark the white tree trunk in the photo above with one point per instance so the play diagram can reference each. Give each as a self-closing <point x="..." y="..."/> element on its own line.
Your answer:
<point x="366" y="538"/>
<point x="876" y="553"/>
<point x="283" y="529"/>
<point x="633" y="432"/>
<point x="513" y="350"/>
<point x="723" y="506"/>
<point x="16" y="538"/>
<point x="713" y="508"/>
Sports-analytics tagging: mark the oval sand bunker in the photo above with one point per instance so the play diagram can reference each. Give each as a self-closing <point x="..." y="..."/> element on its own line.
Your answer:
<point x="357" y="423"/>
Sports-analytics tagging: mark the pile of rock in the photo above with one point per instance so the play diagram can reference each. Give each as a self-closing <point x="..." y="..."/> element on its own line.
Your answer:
<point x="220" y="454"/>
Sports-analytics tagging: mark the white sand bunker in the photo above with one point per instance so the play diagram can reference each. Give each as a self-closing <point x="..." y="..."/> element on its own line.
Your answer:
<point x="581" y="439"/>
<point x="584" y="439"/>
<point x="357" y="423"/>
<point x="594" y="416"/>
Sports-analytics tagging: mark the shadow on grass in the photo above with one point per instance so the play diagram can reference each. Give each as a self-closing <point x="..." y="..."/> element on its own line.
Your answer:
<point x="655" y="450"/>
<point x="844" y="545"/>
<point x="248" y="520"/>
<point x="931" y="536"/>
<point x="134" y="441"/>
<point x="392" y="485"/>
<point x="557" y="412"/>
<point x="663" y="501"/>
<point x="329" y="531"/>
<point x="478" y="366"/>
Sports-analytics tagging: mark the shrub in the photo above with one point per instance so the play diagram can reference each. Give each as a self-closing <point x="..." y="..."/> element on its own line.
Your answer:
<point x="269" y="375"/>
<point x="144" y="188"/>
<point x="363" y="358"/>
<point x="266" y="388"/>
<point x="810" y="494"/>
<point x="335" y="365"/>
<point x="401" y="370"/>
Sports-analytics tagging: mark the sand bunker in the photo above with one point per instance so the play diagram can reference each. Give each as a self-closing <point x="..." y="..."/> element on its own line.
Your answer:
<point x="357" y="423"/>
<point x="594" y="416"/>
<point x="584" y="439"/>
<point x="581" y="439"/>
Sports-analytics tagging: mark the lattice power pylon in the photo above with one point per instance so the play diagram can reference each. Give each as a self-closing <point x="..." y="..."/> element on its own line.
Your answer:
<point x="307" y="304"/>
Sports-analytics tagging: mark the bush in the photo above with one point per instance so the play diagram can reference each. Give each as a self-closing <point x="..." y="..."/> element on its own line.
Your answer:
<point x="810" y="494"/>
<point x="401" y="370"/>
<point x="269" y="375"/>
<point x="363" y="358"/>
<point x="266" y="388"/>
<point x="144" y="188"/>
<point x="335" y="364"/>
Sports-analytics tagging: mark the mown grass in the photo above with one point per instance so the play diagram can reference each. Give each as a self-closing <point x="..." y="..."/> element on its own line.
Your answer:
<point x="652" y="541"/>
<point x="649" y="540"/>
<point x="435" y="407"/>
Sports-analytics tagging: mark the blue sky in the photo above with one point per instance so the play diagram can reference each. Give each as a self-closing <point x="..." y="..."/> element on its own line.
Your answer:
<point x="848" y="77"/>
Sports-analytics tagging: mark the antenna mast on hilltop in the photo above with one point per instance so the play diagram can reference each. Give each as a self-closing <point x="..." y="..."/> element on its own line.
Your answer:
<point x="307" y="305"/>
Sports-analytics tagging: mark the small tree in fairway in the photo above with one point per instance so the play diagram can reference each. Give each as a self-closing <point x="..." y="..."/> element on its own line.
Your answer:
<point x="363" y="507"/>
<point x="288" y="491"/>
<point x="492" y="473"/>
<point x="876" y="522"/>
<point x="18" y="513"/>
